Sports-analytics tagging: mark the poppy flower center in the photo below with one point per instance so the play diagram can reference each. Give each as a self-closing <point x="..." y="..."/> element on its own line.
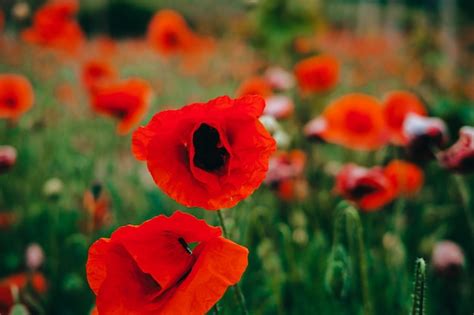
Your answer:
<point x="358" y="122"/>
<point x="360" y="191"/>
<point x="209" y="153"/>
<point x="171" y="39"/>
<point x="9" y="101"/>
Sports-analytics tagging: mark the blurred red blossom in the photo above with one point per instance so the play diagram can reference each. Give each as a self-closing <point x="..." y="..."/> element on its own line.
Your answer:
<point x="317" y="74"/>
<point x="397" y="105"/>
<point x="126" y="100"/>
<point x="54" y="26"/>
<point x="19" y="281"/>
<point x="460" y="156"/>
<point x="369" y="188"/>
<point x="406" y="177"/>
<point x="16" y="95"/>
<point x="161" y="272"/>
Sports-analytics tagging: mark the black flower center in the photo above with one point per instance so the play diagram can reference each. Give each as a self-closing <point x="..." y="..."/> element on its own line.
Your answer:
<point x="209" y="154"/>
<point x="9" y="101"/>
<point x="361" y="191"/>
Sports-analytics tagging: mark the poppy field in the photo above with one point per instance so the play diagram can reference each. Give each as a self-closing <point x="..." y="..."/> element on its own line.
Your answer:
<point x="236" y="157"/>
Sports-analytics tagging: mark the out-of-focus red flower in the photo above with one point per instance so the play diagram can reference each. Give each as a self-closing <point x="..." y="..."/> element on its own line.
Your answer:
<point x="397" y="105"/>
<point x="127" y="100"/>
<point x="407" y="178"/>
<point x="284" y="165"/>
<point x="285" y="175"/>
<point x="460" y="156"/>
<point x="279" y="78"/>
<point x="209" y="155"/>
<point x="447" y="258"/>
<point x="54" y="26"/>
<point x="20" y="281"/>
<point x="279" y="106"/>
<point x="96" y="203"/>
<point x="369" y="188"/>
<point x="317" y="74"/>
<point x="255" y="86"/>
<point x="169" y="34"/>
<point x="16" y="95"/>
<point x="7" y="158"/>
<point x="424" y="135"/>
<point x="150" y="269"/>
<point x="96" y="71"/>
<point x="355" y="121"/>
<point x="7" y="219"/>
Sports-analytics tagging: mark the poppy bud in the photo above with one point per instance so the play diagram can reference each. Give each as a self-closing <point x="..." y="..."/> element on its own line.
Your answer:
<point x="423" y="134"/>
<point x="447" y="258"/>
<point x="279" y="78"/>
<point x="337" y="277"/>
<point x="460" y="156"/>
<point x="34" y="256"/>
<point x="7" y="158"/>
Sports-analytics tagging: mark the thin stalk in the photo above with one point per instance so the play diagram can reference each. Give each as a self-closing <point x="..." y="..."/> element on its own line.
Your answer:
<point x="239" y="296"/>
<point x="466" y="201"/>
<point x="418" y="307"/>
<point x="215" y="309"/>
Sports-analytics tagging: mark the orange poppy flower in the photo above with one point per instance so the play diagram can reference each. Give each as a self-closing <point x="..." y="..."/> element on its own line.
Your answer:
<point x="16" y="95"/>
<point x="370" y="188"/>
<point x="317" y="74"/>
<point x="126" y="100"/>
<point x="20" y="281"/>
<point x="355" y="121"/>
<point x="54" y="26"/>
<point x="209" y="155"/>
<point x="95" y="71"/>
<point x="169" y="34"/>
<point x="407" y="178"/>
<point x="254" y="86"/>
<point x="397" y="105"/>
<point x="150" y="269"/>
<point x="460" y="156"/>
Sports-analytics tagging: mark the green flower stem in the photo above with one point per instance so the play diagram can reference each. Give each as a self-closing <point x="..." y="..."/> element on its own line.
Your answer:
<point x="239" y="296"/>
<point x="418" y="307"/>
<point x="466" y="201"/>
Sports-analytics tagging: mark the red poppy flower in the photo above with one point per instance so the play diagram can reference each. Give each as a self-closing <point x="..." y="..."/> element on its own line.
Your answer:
<point x="370" y="188"/>
<point x="279" y="106"/>
<point x="96" y="203"/>
<point x="283" y="165"/>
<point x="355" y="121"/>
<point x="397" y="105"/>
<point x="126" y="100"/>
<point x="169" y="34"/>
<point x="150" y="269"/>
<point x="254" y="86"/>
<point x="317" y="74"/>
<point x="7" y="158"/>
<point x="424" y="135"/>
<point x="209" y="155"/>
<point x="407" y="178"/>
<point x="95" y="71"/>
<point x="54" y="26"/>
<point x="460" y="156"/>
<point x="16" y="95"/>
<point x="20" y="281"/>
